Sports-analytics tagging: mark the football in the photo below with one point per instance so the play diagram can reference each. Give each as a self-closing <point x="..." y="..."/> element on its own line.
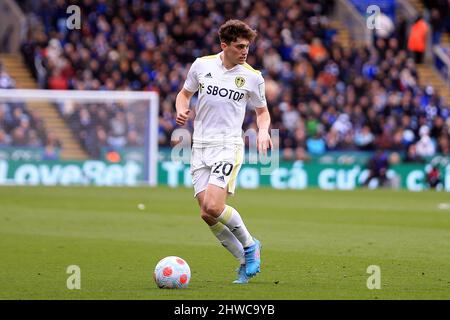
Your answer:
<point x="172" y="273"/>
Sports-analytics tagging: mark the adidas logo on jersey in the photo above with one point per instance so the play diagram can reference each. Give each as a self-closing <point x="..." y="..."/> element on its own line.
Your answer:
<point x="208" y="75"/>
<point x="221" y="178"/>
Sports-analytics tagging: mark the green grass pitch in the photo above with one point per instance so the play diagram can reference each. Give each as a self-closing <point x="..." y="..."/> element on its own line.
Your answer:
<point x="316" y="244"/>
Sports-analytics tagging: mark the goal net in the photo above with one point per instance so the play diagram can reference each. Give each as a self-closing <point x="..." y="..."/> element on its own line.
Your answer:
<point x="70" y="137"/>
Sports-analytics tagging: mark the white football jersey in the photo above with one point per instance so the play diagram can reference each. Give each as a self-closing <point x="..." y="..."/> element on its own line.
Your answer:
<point x="222" y="99"/>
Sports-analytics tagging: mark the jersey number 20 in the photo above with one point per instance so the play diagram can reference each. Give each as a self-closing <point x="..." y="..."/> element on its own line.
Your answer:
<point x="225" y="166"/>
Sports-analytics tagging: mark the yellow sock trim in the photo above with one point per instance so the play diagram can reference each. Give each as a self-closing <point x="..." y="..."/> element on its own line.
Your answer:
<point x="217" y="228"/>
<point x="226" y="216"/>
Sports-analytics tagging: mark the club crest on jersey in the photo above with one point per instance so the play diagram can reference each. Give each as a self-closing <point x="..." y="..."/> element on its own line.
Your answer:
<point x="239" y="81"/>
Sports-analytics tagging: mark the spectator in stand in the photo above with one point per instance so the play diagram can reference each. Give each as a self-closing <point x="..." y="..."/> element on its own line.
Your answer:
<point x="290" y="116"/>
<point x="412" y="156"/>
<point x="5" y="140"/>
<point x="439" y="11"/>
<point x="434" y="177"/>
<point x="437" y="25"/>
<point x="317" y="51"/>
<point x="417" y="40"/>
<point x="425" y="146"/>
<point x="301" y="154"/>
<point x="364" y="139"/>
<point x="52" y="140"/>
<point x="117" y="138"/>
<point x="19" y="137"/>
<point x="33" y="139"/>
<point x="444" y="145"/>
<point x="133" y="139"/>
<point x="316" y="144"/>
<point x="4" y="108"/>
<point x="400" y="32"/>
<point x="378" y="166"/>
<point x="50" y="153"/>
<point x="57" y="81"/>
<point x="6" y="82"/>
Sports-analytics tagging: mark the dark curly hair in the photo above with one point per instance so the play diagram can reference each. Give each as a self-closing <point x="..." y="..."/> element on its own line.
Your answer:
<point x="233" y="29"/>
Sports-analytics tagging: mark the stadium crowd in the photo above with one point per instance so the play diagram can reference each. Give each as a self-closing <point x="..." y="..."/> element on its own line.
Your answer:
<point x="20" y="126"/>
<point x="112" y="125"/>
<point x="322" y="96"/>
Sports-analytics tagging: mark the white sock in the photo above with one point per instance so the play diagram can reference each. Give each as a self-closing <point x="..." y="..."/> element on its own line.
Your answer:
<point x="229" y="241"/>
<point x="232" y="219"/>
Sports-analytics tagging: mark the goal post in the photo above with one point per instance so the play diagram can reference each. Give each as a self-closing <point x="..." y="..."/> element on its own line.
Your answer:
<point x="141" y="107"/>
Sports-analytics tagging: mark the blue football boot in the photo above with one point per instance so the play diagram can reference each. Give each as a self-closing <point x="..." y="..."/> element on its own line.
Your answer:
<point x="253" y="259"/>
<point x="242" y="276"/>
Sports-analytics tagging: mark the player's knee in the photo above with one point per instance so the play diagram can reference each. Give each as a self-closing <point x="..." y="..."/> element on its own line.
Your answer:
<point x="205" y="216"/>
<point x="210" y="220"/>
<point x="212" y="208"/>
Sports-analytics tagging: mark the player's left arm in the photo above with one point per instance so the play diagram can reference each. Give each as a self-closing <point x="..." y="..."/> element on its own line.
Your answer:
<point x="263" y="123"/>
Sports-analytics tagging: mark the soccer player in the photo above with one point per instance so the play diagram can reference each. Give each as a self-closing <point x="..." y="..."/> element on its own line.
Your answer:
<point x="225" y="85"/>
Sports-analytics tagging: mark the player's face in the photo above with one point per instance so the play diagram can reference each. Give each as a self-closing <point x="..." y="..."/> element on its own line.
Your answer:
<point x="236" y="52"/>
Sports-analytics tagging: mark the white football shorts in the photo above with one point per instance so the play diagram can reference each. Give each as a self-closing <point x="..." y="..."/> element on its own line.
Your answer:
<point x="216" y="165"/>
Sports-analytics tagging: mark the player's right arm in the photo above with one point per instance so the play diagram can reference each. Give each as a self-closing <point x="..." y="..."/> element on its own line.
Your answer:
<point x="186" y="93"/>
<point x="182" y="106"/>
